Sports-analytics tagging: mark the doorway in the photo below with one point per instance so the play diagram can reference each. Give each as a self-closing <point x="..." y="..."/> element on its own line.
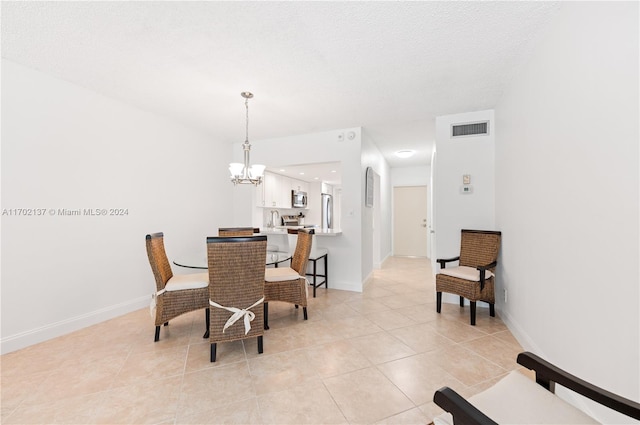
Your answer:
<point x="410" y="230"/>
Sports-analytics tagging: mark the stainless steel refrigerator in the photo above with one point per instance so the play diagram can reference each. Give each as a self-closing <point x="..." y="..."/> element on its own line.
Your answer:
<point x="327" y="211"/>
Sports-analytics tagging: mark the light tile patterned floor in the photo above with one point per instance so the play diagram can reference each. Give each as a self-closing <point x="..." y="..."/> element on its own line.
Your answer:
<point x="375" y="357"/>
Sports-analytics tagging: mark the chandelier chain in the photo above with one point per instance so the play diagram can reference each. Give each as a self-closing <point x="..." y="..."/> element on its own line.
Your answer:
<point x="246" y="104"/>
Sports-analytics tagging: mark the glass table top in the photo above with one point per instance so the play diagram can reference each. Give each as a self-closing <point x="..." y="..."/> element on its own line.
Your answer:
<point x="199" y="261"/>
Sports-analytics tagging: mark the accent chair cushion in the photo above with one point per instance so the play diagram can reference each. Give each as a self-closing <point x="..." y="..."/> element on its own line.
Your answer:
<point x="180" y="282"/>
<point x="465" y="272"/>
<point x="280" y="274"/>
<point x="517" y="399"/>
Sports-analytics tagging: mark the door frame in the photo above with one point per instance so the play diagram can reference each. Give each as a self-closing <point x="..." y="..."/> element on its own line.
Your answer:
<point x="429" y="216"/>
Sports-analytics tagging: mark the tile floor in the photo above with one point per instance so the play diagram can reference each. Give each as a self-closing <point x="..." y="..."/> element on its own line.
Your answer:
<point x="375" y="357"/>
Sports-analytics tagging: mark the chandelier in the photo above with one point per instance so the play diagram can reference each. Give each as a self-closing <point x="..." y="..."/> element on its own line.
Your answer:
<point x="245" y="173"/>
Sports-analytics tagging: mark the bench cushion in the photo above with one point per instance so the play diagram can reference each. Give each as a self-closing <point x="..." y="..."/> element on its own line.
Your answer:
<point x="517" y="399"/>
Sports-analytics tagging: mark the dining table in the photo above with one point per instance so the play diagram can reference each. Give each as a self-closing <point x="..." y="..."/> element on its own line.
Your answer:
<point x="199" y="260"/>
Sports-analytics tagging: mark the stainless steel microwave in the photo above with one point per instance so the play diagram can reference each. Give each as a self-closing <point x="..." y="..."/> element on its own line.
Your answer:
<point x="298" y="199"/>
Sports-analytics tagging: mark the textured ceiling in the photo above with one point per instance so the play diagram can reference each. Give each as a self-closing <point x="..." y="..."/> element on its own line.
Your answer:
<point x="390" y="67"/>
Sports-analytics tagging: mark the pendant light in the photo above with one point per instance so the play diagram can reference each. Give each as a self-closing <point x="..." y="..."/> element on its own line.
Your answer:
<point x="245" y="173"/>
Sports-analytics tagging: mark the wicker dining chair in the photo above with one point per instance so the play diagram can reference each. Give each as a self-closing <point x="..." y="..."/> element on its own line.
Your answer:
<point x="473" y="278"/>
<point x="175" y="294"/>
<point x="237" y="231"/>
<point x="289" y="284"/>
<point x="236" y="289"/>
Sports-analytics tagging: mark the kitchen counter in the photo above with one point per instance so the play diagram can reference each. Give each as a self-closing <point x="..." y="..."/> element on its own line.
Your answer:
<point x="282" y="230"/>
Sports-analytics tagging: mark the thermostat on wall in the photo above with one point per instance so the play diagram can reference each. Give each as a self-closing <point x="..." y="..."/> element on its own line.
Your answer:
<point x="466" y="189"/>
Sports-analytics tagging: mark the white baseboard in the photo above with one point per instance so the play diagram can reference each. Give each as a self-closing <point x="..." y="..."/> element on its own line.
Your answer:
<point x="379" y="265"/>
<point x="344" y="286"/>
<point x="569" y="396"/>
<point x="53" y="330"/>
<point x="520" y="335"/>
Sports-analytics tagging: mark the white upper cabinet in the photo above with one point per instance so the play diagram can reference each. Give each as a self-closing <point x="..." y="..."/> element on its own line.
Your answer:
<point x="283" y="192"/>
<point x="327" y="188"/>
<point x="299" y="185"/>
<point x="275" y="190"/>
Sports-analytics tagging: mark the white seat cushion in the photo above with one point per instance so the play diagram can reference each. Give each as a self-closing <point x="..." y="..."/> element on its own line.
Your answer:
<point x="465" y="272"/>
<point x="292" y="240"/>
<point x="187" y="281"/>
<point x="317" y="253"/>
<point x="517" y="399"/>
<point x="280" y="274"/>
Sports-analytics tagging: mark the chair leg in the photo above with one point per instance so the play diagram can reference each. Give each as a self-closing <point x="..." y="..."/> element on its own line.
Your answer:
<point x="473" y="312"/>
<point x="157" y="338"/>
<point x="461" y="301"/>
<point x="492" y="310"/>
<point x="326" y="271"/>
<point x="207" y="321"/>
<point x="314" y="277"/>
<point x="166" y="323"/>
<point x="438" y="301"/>
<point x="266" y="316"/>
<point x="213" y="352"/>
<point x="260" y="348"/>
<point x="304" y="311"/>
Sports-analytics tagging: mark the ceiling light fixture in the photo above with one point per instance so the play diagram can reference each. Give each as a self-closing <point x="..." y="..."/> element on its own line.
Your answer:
<point x="245" y="173"/>
<point x="405" y="153"/>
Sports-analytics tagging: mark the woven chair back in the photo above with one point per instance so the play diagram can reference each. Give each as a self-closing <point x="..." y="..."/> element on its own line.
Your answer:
<point x="236" y="279"/>
<point x="158" y="259"/>
<point x="479" y="247"/>
<point x="303" y="249"/>
<point x="236" y="231"/>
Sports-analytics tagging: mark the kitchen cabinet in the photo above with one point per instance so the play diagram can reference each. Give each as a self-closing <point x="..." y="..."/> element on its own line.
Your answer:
<point x="271" y="186"/>
<point x="264" y="191"/>
<point x="275" y="190"/>
<point x="299" y="185"/>
<point x="282" y="193"/>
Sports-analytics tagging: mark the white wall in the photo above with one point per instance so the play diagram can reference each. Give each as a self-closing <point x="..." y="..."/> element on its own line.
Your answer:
<point x="371" y="157"/>
<point x="67" y="147"/>
<point x="345" y="250"/>
<point x="454" y="211"/>
<point x="313" y="214"/>
<point x="410" y="176"/>
<point x="567" y="197"/>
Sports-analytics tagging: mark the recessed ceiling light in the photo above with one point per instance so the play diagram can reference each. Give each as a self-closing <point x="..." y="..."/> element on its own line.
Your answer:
<point x="316" y="178"/>
<point x="302" y="174"/>
<point x="404" y="153"/>
<point x="282" y="170"/>
<point x="333" y="171"/>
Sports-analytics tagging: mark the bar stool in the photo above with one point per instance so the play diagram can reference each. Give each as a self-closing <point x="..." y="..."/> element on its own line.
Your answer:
<point x="316" y="255"/>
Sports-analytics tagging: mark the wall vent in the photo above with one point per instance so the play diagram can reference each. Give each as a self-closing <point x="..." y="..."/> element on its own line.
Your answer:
<point x="480" y="128"/>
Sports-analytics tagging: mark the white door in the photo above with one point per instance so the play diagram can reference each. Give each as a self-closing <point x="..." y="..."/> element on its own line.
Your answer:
<point x="410" y="221"/>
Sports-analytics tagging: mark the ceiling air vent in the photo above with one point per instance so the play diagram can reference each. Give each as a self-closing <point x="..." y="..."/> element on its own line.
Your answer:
<point x="470" y="129"/>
